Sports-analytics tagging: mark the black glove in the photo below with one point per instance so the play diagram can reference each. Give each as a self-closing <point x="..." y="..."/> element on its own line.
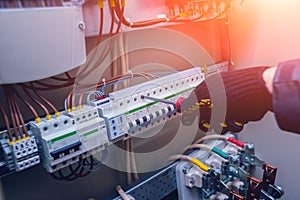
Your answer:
<point x="226" y="101"/>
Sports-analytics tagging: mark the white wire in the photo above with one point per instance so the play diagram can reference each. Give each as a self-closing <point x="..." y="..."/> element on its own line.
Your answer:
<point x="211" y="137"/>
<point x="89" y="93"/>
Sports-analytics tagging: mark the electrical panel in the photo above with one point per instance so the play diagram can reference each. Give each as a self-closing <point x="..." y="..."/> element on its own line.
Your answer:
<point x="61" y="140"/>
<point x="222" y="170"/>
<point x="50" y="32"/>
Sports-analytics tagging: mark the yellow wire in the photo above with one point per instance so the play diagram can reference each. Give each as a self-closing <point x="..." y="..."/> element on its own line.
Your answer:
<point x="200" y="164"/>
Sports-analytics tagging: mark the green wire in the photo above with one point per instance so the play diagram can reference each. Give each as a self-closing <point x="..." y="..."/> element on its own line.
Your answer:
<point x="220" y="152"/>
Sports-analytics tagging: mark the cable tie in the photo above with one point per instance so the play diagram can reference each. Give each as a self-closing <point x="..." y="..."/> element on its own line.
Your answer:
<point x="130" y="72"/>
<point x="104" y="83"/>
<point x="130" y="23"/>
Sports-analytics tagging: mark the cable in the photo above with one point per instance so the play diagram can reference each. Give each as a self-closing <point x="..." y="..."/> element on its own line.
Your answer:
<point x="128" y="164"/>
<point x="47" y="102"/>
<point x="80" y="174"/>
<point x="27" y="104"/>
<point x="110" y="82"/>
<point x="227" y="24"/>
<point x="48" y="116"/>
<point x="16" y="114"/>
<point x="157" y="21"/>
<point x="121" y="192"/>
<point x="95" y="92"/>
<point x="211" y="137"/>
<point x="221" y="137"/>
<point x="219" y="152"/>
<point x="99" y="165"/>
<point x="192" y="160"/>
<point x="6" y="123"/>
<point x="20" y="116"/>
<point x="62" y="79"/>
<point x="101" y="19"/>
<point x="11" y="113"/>
<point x="132" y="158"/>
<point x="121" y="19"/>
<point x="13" y="103"/>
<point x="112" y="23"/>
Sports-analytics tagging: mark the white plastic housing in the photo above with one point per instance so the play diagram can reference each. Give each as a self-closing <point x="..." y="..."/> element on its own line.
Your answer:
<point x="37" y="43"/>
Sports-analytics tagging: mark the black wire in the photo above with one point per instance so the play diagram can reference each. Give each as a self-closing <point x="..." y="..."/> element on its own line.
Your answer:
<point x="71" y="175"/>
<point x="53" y="175"/>
<point x="81" y="172"/>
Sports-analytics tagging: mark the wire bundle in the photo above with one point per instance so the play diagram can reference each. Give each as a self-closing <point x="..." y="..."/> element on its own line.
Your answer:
<point x="81" y="169"/>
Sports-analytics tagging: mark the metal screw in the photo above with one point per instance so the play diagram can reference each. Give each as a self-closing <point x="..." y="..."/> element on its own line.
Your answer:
<point x="192" y="181"/>
<point x="81" y="25"/>
<point x="185" y="170"/>
<point x="250" y="147"/>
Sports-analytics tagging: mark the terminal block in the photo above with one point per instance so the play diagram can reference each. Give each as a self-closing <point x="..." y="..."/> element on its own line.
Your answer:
<point x="226" y="179"/>
<point x="7" y="154"/>
<point x="20" y="154"/>
<point x="25" y="153"/>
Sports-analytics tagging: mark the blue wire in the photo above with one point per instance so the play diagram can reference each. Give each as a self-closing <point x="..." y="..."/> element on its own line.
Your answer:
<point x="163" y="73"/>
<point x="116" y="82"/>
<point x="154" y="73"/>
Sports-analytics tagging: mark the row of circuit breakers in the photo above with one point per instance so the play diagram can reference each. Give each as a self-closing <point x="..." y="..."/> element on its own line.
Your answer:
<point x="64" y="140"/>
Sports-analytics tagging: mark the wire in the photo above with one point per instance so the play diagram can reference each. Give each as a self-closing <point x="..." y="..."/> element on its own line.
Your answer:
<point x="159" y="20"/>
<point x="26" y="103"/>
<point x="112" y="23"/>
<point x="211" y="137"/>
<point x="227" y="24"/>
<point x="132" y="158"/>
<point x="128" y="163"/>
<point x="20" y="116"/>
<point x="45" y="100"/>
<point x="113" y="83"/>
<point x="219" y="152"/>
<point x="6" y="123"/>
<point x="95" y="92"/>
<point x="35" y="100"/>
<point x="11" y="114"/>
<point x="80" y="174"/>
<point x="99" y="165"/>
<point x="62" y="79"/>
<point x="16" y="115"/>
<point x="199" y="146"/>
<point x="121" y="19"/>
<point x="110" y="82"/>
<point x="121" y="192"/>
<point x="221" y="137"/>
<point x="101" y="19"/>
<point x="192" y="160"/>
<point x="61" y="176"/>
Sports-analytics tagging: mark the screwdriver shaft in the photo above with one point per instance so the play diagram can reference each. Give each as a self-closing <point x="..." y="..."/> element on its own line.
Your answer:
<point x="159" y="100"/>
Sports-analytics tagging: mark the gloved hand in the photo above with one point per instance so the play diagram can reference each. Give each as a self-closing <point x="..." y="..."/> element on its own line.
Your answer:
<point x="244" y="92"/>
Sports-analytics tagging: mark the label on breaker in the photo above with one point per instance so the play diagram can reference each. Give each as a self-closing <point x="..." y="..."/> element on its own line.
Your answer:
<point x="93" y="138"/>
<point x="62" y="141"/>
